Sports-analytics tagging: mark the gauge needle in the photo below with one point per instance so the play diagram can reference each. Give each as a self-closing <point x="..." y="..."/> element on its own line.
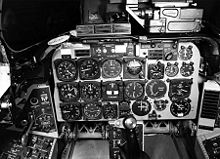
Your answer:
<point x="90" y="87"/>
<point x="87" y="69"/>
<point x="69" y="72"/>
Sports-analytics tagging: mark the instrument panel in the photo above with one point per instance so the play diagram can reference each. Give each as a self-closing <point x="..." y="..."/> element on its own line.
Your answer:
<point x="151" y="80"/>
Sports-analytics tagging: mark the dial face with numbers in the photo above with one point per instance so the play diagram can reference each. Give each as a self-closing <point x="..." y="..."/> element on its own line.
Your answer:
<point x="187" y="69"/>
<point x="92" y="111"/>
<point x="134" y="90"/>
<point x="111" y="68"/>
<point x="71" y="111"/>
<point x="89" y="69"/>
<point x="90" y="91"/>
<point x="185" y="53"/>
<point x="171" y="70"/>
<point x="68" y="92"/>
<point x="180" y="108"/>
<point x="180" y="88"/>
<point x="66" y="70"/>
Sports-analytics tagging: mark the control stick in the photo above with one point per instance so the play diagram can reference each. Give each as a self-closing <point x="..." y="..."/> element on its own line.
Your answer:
<point x="131" y="149"/>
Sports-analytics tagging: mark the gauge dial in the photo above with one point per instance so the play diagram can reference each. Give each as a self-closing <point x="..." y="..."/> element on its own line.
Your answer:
<point x="179" y="88"/>
<point x="110" y="111"/>
<point x="71" y="111"/>
<point x="134" y="90"/>
<point x="141" y="108"/>
<point x="185" y="53"/>
<point x="92" y="111"/>
<point x="180" y="108"/>
<point x="68" y="92"/>
<point x="160" y="104"/>
<point x="66" y="70"/>
<point x="111" y="68"/>
<point x="187" y="69"/>
<point x="156" y="89"/>
<point x="89" y="69"/>
<point x="171" y="70"/>
<point x="156" y="71"/>
<point x="134" y="67"/>
<point x="90" y="91"/>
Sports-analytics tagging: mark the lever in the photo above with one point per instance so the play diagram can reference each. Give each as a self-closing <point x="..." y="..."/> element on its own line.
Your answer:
<point x="24" y="138"/>
<point x="131" y="149"/>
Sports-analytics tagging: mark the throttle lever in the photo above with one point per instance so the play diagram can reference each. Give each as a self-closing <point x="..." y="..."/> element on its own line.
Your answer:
<point x="24" y="138"/>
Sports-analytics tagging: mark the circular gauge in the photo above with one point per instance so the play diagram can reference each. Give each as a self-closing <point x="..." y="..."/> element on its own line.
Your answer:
<point x="90" y="91"/>
<point x="134" y="67"/>
<point x="111" y="68"/>
<point x="68" y="92"/>
<point x="92" y="111"/>
<point x="141" y="108"/>
<point x="110" y="111"/>
<point x="156" y="71"/>
<point x="187" y="69"/>
<point x="171" y="70"/>
<point x="179" y="88"/>
<point x="66" y="70"/>
<point x="71" y="112"/>
<point x="156" y="89"/>
<point x="89" y="69"/>
<point x="180" y="108"/>
<point x="134" y="90"/>
<point x="160" y="104"/>
<point x="186" y="53"/>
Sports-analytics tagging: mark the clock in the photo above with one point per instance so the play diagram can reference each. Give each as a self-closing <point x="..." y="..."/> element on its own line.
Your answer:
<point x="90" y="91"/>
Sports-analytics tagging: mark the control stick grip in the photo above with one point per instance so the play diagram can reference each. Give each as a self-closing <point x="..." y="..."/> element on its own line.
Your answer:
<point x="132" y="150"/>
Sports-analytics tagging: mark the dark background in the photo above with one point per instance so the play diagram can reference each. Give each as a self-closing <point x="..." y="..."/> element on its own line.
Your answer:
<point x="26" y="22"/>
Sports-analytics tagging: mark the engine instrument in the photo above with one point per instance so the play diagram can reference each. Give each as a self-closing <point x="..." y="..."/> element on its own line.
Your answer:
<point x="187" y="69"/>
<point x="180" y="108"/>
<point x="171" y="70"/>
